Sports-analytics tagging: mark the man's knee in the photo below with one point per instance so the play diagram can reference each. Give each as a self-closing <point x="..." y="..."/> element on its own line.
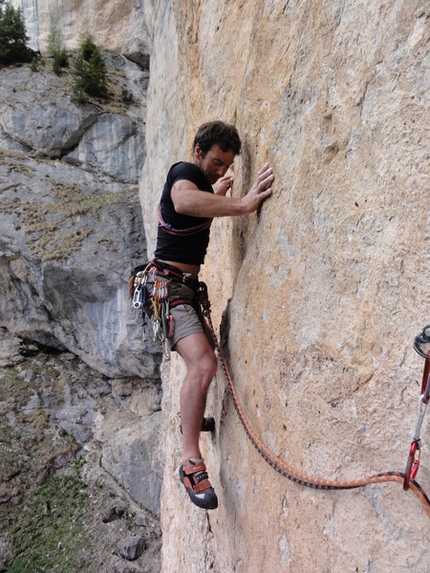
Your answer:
<point x="212" y="365"/>
<point x="209" y="364"/>
<point x="205" y="368"/>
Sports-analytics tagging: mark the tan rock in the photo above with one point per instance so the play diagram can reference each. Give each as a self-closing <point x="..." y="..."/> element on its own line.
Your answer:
<point x="328" y="282"/>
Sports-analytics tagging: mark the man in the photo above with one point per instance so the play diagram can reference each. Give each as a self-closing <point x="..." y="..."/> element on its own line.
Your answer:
<point x="193" y="194"/>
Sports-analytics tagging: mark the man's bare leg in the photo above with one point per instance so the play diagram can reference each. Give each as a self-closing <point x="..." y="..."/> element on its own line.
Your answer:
<point x="201" y="365"/>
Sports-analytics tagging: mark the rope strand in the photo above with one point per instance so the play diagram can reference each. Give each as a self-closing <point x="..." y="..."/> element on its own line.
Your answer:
<point x="279" y="465"/>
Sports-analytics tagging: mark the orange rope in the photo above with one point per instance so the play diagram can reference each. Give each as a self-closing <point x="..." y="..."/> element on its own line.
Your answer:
<point x="279" y="465"/>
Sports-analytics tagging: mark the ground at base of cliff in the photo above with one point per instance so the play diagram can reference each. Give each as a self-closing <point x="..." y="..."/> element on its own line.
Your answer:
<point x="59" y="509"/>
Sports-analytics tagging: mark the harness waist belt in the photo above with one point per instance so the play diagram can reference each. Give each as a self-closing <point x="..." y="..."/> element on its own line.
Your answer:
<point x="173" y="273"/>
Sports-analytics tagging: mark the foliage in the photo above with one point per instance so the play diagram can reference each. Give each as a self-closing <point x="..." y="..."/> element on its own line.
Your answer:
<point x="126" y="96"/>
<point x="87" y="47"/>
<point x="13" y="36"/>
<point x="34" y="65"/>
<point x="61" y="60"/>
<point x="56" y="49"/>
<point x="90" y="71"/>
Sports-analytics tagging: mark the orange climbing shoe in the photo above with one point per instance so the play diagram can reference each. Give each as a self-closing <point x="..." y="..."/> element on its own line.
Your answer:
<point x="197" y="484"/>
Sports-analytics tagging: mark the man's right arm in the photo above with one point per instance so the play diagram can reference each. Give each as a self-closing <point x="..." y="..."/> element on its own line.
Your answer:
<point x="189" y="200"/>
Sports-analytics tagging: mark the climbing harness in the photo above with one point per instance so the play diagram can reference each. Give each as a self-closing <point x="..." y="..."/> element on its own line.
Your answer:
<point x="413" y="462"/>
<point x="155" y="303"/>
<point x="280" y="466"/>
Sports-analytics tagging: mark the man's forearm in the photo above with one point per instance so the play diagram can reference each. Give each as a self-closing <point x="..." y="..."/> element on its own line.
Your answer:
<point x="196" y="203"/>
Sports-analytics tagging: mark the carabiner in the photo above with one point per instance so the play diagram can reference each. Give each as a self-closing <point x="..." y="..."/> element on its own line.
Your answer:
<point x="139" y="294"/>
<point x="138" y="297"/>
<point x="412" y="464"/>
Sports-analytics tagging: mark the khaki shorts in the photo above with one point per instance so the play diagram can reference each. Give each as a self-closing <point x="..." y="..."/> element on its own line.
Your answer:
<point x="186" y="320"/>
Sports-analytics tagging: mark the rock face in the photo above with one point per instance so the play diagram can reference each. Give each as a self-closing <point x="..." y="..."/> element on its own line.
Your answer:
<point x="115" y="23"/>
<point x="60" y="420"/>
<point x="328" y="282"/>
<point x="79" y="383"/>
<point x="71" y="229"/>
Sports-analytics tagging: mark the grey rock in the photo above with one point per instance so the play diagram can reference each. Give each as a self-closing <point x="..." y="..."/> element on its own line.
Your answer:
<point x="37" y="115"/>
<point x="114" y="145"/>
<point x="132" y="547"/>
<point x="136" y="50"/>
<point x="9" y="349"/>
<point x="6" y="553"/>
<point x="69" y="234"/>
<point x="115" y="512"/>
<point x="132" y="454"/>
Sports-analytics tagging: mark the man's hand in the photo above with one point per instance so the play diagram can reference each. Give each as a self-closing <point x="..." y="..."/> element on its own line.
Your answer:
<point x="260" y="189"/>
<point x="223" y="185"/>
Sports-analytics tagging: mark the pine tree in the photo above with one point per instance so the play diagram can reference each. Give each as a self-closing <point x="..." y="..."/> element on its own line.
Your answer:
<point x="90" y="71"/>
<point x="97" y="75"/>
<point x="56" y="48"/>
<point x="87" y="47"/>
<point x="13" y="37"/>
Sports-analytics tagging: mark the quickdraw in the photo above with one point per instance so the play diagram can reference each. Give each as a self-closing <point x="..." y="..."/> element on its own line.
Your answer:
<point x="156" y="304"/>
<point x="413" y="462"/>
<point x="162" y="321"/>
<point x="279" y="465"/>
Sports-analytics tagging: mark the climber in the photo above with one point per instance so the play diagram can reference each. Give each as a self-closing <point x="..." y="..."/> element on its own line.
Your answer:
<point x="194" y="193"/>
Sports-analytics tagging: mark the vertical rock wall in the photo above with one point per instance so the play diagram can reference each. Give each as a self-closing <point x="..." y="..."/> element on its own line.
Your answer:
<point x="109" y="23"/>
<point x="328" y="283"/>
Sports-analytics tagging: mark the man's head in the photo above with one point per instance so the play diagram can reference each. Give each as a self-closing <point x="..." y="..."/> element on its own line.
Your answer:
<point x="218" y="133"/>
<point x="216" y="144"/>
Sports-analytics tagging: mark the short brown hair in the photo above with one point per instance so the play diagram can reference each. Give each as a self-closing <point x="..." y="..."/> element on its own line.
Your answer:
<point x="218" y="133"/>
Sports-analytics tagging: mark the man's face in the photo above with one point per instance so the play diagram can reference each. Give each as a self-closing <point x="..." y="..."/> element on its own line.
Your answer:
<point x="215" y="163"/>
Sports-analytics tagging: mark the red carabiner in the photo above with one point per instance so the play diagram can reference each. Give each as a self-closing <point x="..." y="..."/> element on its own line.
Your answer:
<point x="412" y="465"/>
<point x="414" y="469"/>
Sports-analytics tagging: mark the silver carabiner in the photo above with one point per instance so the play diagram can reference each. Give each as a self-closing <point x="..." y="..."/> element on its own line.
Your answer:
<point x="422" y="407"/>
<point x="139" y="295"/>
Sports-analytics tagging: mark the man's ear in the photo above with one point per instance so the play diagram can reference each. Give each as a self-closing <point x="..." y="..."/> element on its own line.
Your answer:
<point x="198" y="153"/>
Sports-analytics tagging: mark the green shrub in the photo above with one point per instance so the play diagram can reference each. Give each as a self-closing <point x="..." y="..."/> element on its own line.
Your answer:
<point x="61" y="60"/>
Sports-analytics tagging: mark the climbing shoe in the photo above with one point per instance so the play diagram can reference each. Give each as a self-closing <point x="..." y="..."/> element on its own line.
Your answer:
<point x="208" y="425"/>
<point x="197" y="484"/>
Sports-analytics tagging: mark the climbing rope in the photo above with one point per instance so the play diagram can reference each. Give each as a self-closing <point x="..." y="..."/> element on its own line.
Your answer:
<point x="279" y="465"/>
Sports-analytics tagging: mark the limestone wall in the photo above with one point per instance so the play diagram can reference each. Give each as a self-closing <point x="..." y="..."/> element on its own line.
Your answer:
<point x="328" y="283"/>
<point x="109" y="23"/>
